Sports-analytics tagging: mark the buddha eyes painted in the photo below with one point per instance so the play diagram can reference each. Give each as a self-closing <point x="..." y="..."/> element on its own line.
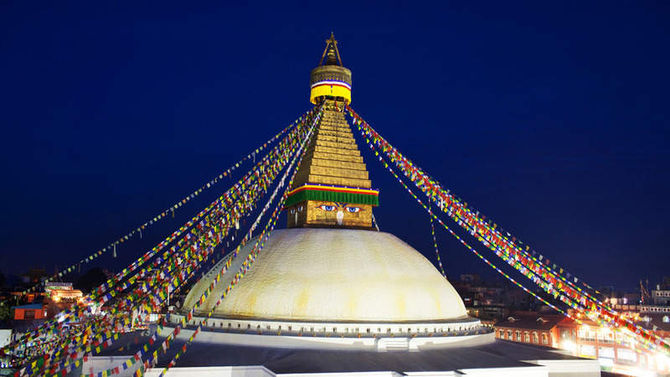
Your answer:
<point x="340" y="207"/>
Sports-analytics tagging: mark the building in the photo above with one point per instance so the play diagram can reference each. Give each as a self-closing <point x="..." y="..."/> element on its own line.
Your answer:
<point x="29" y="312"/>
<point x="531" y="328"/>
<point x="41" y="305"/>
<point x="65" y="296"/>
<point x="614" y="351"/>
<point x="5" y="336"/>
<point x="661" y="297"/>
<point x="482" y="300"/>
<point x="28" y="298"/>
<point x="62" y="294"/>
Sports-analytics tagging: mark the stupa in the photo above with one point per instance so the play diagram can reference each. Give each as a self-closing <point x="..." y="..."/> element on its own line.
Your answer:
<point x="333" y="296"/>
<point x="331" y="277"/>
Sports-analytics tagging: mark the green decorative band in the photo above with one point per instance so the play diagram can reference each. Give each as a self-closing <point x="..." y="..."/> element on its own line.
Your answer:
<point x="331" y="196"/>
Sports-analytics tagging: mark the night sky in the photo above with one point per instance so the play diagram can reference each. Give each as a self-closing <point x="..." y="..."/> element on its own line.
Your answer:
<point x="551" y="119"/>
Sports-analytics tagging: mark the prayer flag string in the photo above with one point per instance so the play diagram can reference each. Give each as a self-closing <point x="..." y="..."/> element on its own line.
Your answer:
<point x="547" y="276"/>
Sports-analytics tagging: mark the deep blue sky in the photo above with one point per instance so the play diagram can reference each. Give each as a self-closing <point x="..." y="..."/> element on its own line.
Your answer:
<point x="552" y="119"/>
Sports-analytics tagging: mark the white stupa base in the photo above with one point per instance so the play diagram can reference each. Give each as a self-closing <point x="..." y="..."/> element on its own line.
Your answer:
<point x="381" y="337"/>
<point x="339" y="328"/>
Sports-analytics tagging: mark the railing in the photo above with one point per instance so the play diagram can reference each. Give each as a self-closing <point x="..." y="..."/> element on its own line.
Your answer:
<point x="342" y="334"/>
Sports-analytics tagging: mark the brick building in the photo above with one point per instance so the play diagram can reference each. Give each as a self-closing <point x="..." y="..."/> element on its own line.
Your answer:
<point x="533" y="328"/>
<point x="615" y="351"/>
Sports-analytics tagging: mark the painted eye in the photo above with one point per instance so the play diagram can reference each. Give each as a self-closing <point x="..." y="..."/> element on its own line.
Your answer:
<point x="353" y="209"/>
<point x="327" y="207"/>
<point x="292" y="211"/>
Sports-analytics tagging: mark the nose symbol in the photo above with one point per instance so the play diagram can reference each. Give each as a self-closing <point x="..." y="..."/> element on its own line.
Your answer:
<point x="340" y="217"/>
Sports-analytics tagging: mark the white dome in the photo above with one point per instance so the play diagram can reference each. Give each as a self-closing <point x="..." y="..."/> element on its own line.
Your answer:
<point x="336" y="275"/>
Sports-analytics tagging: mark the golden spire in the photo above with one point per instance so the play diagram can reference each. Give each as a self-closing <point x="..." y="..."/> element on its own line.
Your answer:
<point x="332" y="187"/>
<point x="330" y="80"/>
<point x="331" y="52"/>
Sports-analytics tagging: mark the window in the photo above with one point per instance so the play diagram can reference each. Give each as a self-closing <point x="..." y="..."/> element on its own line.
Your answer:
<point x="501" y="334"/>
<point x="535" y="339"/>
<point x="526" y="336"/>
<point x="666" y="319"/>
<point x="518" y="336"/>
<point x="606" y="352"/>
<point x="587" y="350"/>
<point x="565" y="334"/>
<point x="625" y="354"/>
<point x="509" y="334"/>
<point x="545" y="338"/>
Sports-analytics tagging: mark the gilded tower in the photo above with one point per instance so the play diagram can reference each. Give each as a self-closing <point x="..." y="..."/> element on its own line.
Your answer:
<point x="332" y="187"/>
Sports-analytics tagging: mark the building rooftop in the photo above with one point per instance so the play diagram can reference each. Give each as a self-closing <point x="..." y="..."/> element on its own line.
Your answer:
<point x="530" y="320"/>
<point x="28" y="306"/>
<point x="657" y="321"/>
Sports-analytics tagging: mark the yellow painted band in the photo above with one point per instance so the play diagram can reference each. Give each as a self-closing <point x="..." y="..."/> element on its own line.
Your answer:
<point x="330" y="90"/>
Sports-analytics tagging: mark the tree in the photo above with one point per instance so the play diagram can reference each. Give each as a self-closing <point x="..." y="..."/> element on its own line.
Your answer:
<point x="91" y="279"/>
<point x="5" y="311"/>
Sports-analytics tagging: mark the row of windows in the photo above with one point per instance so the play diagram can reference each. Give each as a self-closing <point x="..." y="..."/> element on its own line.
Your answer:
<point x="516" y="336"/>
<point x="657" y="309"/>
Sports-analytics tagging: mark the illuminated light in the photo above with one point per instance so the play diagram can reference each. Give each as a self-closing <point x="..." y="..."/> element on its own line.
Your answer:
<point x="637" y="372"/>
<point x="606" y="362"/>
<point x="587" y="351"/>
<point x="662" y="362"/>
<point x="569" y="345"/>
